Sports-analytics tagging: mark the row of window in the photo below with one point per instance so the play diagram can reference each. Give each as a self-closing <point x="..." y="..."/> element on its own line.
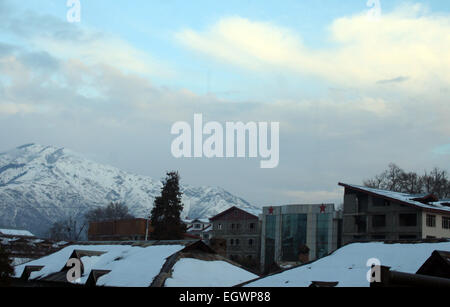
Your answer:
<point x="236" y="226"/>
<point x="404" y="220"/>
<point x="237" y="242"/>
<point x="431" y="221"/>
<point x="410" y="220"/>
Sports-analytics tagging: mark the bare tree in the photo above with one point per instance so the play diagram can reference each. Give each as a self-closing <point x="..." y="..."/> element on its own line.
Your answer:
<point x="396" y="179"/>
<point x="112" y="212"/>
<point x="66" y="230"/>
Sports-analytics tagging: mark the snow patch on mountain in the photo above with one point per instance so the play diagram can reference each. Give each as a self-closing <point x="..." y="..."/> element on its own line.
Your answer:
<point x="43" y="184"/>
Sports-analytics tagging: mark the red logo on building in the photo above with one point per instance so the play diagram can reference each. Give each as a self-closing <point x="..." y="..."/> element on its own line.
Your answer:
<point x="271" y="210"/>
<point x="322" y="209"/>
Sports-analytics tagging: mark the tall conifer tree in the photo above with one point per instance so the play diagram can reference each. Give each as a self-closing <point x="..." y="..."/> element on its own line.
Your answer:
<point x="166" y="212"/>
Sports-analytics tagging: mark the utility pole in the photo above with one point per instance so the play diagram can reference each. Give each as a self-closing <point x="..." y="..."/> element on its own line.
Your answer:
<point x="146" y="229"/>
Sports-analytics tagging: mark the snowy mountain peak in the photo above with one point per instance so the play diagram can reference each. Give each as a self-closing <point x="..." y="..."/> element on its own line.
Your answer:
<point x="42" y="184"/>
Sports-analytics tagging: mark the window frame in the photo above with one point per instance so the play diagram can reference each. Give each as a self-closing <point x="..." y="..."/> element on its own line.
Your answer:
<point x="431" y="221"/>
<point x="374" y="219"/>
<point x="446" y="222"/>
<point x="406" y="224"/>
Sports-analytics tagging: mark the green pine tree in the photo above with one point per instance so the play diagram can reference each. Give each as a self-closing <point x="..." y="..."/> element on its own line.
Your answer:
<point x="6" y="268"/>
<point x="166" y="213"/>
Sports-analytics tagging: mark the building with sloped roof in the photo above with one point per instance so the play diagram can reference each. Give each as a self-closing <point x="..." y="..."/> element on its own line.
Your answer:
<point x="236" y="235"/>
<point x="372" y="214"/>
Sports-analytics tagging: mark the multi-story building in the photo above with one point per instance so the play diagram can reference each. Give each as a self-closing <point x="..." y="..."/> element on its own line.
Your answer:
<point x="239" y="233"/>
<point x="294" y="234"/>
<point x="373" y="214"/>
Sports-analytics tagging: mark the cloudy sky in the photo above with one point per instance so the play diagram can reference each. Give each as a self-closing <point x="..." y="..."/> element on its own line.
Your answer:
<point x="351" y="93"/>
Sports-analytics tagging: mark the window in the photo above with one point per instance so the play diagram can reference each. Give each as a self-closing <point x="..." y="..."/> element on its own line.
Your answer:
<point x="361" y="223"/>
<point x="237" y="242"/>
<point x="232" y="226"/>
<point x="250" y="242"/>
<point x="379" y="220"/>
<point x="197" y="226"/>
<point x="322" y="234"/>
<point x="379" y="202"/>
<point x="238" y="226"/>
<point x="219" y="227"/>
<point x="431" y="220"/>
<point x="407" y="220"/>
<point x="293" y="235"/>
<point x="232" y="242"/>
<point x="270" y="240"/>
<point x="252" y="226"/>
<point x="446" y="222"/>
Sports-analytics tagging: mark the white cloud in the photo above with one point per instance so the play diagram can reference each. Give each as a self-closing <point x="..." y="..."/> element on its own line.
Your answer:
<point x="408" y="44"/>
<point x="15" y="108"/>
<point x="110" y="51"/>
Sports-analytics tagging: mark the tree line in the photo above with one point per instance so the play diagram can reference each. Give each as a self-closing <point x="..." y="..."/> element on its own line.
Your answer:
<point x="396" y="179"/>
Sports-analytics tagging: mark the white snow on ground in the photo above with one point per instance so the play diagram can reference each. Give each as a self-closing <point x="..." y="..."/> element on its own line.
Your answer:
<point x="188" y="272"/>
<point x="14" y="232"/>
<point x="131" y="266"/>
<point x="348" y="265"/>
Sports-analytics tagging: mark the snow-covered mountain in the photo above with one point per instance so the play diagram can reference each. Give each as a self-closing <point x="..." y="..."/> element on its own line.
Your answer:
<point x="43" y="184"/>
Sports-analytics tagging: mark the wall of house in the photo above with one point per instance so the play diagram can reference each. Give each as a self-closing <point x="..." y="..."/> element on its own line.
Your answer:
<point x="361" y="212"/>
<point x="243" y="230"/>
<point x="435" y="232"/>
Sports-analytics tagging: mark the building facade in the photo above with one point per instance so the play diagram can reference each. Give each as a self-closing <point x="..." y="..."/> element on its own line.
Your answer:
<point x="201" y="228"/>
<point x="298" y="233"/>
<point x="238" y="234"/>
<point x="121" y="230"/>
<point x="373" y="214"/>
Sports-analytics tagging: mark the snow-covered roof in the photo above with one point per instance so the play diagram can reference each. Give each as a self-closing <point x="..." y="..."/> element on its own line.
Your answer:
<point x="405" y="198"/>
<point x="130" y="266"/>
<point x="140" y="266"/>
<point x="16" y="232"/>
<point x="348" y="265"/>
<point x="198" y="273"/>
<point x="204" y="221"/>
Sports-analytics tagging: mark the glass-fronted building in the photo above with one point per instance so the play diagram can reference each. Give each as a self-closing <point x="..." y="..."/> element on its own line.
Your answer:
<point x="298" y="233"/>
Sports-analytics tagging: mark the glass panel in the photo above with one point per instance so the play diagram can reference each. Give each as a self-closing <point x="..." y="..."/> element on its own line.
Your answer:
<point x="323" y="221"/>
<point x="293" y="235"/>
<point x="270" y="240"/>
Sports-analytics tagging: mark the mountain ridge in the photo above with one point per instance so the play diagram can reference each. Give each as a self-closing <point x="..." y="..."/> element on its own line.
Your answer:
<point x="40" y="185"/>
